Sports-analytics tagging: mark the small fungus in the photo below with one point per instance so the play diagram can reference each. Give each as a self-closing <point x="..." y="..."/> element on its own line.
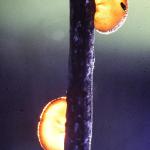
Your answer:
<point x="110" y="15"/>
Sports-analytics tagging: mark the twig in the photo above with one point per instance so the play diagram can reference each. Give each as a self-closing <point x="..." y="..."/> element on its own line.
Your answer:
<point x="81" y="65"/>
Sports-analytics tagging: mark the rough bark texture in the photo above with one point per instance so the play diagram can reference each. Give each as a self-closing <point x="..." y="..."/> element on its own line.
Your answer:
<point x="81" y="64"/>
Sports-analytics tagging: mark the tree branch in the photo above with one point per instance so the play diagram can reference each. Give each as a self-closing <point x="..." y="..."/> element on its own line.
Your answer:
<point x="81" y="64"/>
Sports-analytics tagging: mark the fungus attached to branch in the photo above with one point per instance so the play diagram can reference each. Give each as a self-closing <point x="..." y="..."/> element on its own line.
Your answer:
<point x="66" y="123"/>
<point x="51" y="127"/>
<point x="110" y="15"/>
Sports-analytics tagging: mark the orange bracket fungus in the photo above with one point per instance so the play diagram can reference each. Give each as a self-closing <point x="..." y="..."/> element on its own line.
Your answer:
<point x="51" y="127"/>
<point x="110" y="15"/>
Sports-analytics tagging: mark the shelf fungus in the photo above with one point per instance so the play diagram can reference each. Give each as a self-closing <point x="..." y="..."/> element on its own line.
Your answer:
<point x="51" y="127"/>
<point x="110" y="15"/>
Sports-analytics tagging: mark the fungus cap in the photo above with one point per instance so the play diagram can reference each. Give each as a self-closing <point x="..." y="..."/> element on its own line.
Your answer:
<point x="110" y="15"/>
<point x="51" y="127"/>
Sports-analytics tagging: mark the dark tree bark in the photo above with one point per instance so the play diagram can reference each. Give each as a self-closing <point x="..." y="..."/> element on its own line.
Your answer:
<point x="81" y="65"/>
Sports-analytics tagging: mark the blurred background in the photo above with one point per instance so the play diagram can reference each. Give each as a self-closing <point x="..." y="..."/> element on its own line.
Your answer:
<point x="34" y="46"/>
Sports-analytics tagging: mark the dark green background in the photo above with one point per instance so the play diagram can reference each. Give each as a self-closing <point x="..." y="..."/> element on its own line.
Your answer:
<point x="34" y="46"/>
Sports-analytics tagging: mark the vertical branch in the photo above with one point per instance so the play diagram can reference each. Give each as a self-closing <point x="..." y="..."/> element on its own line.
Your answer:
<point x="81" y="64"/>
